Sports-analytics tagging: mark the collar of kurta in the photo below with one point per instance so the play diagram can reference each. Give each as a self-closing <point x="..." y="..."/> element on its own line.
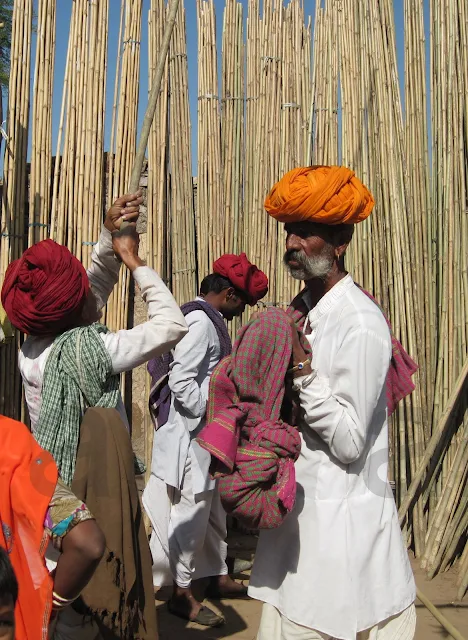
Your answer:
<point x="328" y="301"/>
<point x="200" y="299"/>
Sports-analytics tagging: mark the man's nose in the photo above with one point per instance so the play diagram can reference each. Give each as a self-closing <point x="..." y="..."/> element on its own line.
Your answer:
<point x="293" y="242"/>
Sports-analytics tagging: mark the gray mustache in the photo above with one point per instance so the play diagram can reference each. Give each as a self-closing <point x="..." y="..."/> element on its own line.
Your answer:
<point x="297" y="256"/>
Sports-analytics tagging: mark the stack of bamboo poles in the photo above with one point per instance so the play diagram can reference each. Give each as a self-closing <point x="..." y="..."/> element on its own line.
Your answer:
<point x="77" y="197"/>
<point x="265" y="91"/>
<point x="412" y="259"/>
<point x="182" y="230"/>
<point x="210" y="192"/>
<point x="14" y="193"/>
<point x="41" y="156"/>
<point x="270" y="111"/>
<point x="446" y="492"/>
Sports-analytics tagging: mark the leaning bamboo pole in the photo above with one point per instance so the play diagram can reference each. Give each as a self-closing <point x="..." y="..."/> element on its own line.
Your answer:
<point x="157" y="224"/>
<point x="125" y="143"/>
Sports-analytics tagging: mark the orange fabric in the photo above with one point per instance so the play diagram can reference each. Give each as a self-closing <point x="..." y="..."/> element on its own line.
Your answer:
<point x="28" y="476"/>
<point x="327" y="195"/>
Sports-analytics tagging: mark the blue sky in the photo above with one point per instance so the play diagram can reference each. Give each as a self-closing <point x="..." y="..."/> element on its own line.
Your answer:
<point x="63" y="20"/>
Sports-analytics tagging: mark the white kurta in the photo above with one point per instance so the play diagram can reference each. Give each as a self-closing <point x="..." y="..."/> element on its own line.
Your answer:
<point x="127" y="348"/>
<point x="195" y="358"/>
<point x="181" y="499"/>
<point x="338" y="563"/>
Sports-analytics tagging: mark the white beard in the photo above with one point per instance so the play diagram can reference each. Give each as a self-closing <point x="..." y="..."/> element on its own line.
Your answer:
<point x="310" y="266"/>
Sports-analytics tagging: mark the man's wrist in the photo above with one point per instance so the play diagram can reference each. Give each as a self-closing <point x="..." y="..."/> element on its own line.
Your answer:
<point x="305" y="371"/>
<point x="298" y="353"/>
<point x="131" y="261"/>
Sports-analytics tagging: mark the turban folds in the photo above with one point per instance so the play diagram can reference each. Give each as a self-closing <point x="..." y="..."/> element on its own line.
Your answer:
<point x="326" y="195"/>
<point x="45" y="290"/>
<point x="244" y="275"/>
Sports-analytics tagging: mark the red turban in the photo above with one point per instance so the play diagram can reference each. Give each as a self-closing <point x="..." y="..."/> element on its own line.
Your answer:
<point x="244" y="275"/>
<point x="44" y="290"/>
<point x="327" y="195"/>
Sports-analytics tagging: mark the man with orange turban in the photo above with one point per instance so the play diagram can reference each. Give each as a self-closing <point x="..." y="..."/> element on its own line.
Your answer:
<point x="181" y="499"/>
<point x="337" y="567"/>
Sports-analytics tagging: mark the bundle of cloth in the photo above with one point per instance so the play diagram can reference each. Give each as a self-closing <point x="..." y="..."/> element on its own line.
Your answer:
<point x="402" y="366"/>
<point x="253" y="451"/>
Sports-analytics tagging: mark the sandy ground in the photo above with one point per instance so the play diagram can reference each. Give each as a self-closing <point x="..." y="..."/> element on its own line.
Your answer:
<point x="242" y="616"/>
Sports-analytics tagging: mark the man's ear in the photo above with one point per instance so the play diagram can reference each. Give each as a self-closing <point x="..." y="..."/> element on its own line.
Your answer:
<point x="230" y="293"/>
<point x="340" y="250"/>
<point x="343" y="239"/>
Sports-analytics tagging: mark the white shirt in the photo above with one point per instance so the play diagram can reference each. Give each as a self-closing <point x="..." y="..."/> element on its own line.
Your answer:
<point x="195" y="358"/>
<point x="338" y="564"/>
<point x="127" y="348"/>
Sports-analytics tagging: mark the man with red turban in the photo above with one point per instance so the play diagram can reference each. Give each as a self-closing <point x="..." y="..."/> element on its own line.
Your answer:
<point x="47" y="292"/>
<point x="337" y="567"/>
<point x="182" y="501"/>
<point x="69" y="361"/>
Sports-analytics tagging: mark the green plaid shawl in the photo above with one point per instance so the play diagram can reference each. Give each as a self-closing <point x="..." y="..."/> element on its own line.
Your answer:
<point x="78" y="375"/>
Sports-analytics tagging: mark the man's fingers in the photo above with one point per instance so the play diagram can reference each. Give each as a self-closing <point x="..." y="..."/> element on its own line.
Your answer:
<point x="135" y="208"/>
<point x="134" y="198"/>
<point x="129" y="216"/>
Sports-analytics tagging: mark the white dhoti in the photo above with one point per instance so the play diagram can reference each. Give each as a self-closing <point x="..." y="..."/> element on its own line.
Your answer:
<point x="274" y="626"/>
<point x="189" y="531"/>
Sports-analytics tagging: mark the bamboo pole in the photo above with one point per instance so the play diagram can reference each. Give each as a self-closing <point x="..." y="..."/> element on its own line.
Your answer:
<point x="447" y="625"/>
<point x="153" y="97"/>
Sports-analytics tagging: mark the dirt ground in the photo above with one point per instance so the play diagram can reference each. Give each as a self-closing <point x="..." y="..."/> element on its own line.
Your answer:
<point x="242" y="616"/>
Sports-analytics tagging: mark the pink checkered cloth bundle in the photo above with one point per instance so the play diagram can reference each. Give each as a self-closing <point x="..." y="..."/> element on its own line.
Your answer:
<point x="253" y="451"/>
<point x="402" y="367"/>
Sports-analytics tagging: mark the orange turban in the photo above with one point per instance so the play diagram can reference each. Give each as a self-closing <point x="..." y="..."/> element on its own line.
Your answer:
<point x="327" y="195"/>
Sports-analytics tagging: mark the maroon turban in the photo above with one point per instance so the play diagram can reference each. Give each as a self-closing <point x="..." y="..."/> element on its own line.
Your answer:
<point x="45" y="290"/>
<point x="244" y="275"/>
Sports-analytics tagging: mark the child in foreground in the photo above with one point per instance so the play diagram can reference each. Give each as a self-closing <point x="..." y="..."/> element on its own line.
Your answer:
<point x="8" y="597"/>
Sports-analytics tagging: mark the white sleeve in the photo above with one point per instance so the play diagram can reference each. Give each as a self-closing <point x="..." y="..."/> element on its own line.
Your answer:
<point x="188" y="357"/>
<point x="166" y="326"/>
<point x="103" y="273"/>
<point x="340" y="409"/>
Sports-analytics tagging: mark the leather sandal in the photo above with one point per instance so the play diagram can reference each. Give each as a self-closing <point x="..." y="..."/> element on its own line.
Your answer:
<point x="205" y="617"/>
<point x="214" y="593"/>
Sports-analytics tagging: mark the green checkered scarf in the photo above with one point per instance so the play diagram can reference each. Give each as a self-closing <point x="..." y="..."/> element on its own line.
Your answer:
<point x="78" y="375"/>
